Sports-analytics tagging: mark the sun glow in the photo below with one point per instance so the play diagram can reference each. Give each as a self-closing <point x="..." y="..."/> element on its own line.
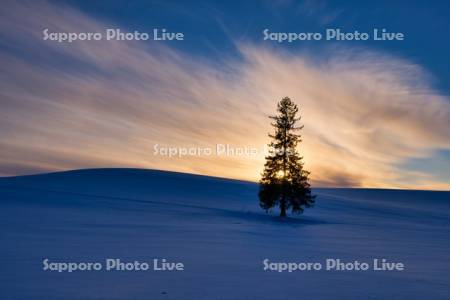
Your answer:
<point x="280" y="174"/>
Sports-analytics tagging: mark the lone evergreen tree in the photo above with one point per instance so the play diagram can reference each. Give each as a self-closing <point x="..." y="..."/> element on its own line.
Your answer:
<point x="284" y="182"/>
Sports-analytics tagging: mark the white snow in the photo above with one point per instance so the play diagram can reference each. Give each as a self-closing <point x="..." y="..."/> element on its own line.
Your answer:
<point x="217" y="230"/>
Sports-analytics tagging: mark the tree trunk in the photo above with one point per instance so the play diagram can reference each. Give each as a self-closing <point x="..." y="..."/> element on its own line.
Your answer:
<point x="283" y="198"/>
<point x="283" y="207"/>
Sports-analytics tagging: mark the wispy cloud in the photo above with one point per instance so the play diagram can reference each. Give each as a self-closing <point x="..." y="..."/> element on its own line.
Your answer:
<point x="319" y="10"/>
<point x="106" y="103"/>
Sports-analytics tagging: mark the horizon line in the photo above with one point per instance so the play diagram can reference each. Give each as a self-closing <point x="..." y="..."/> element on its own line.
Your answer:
<point x="213" y="177"/>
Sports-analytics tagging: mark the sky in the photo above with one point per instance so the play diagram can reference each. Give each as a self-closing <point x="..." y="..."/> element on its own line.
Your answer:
<point x="376" y="113"/>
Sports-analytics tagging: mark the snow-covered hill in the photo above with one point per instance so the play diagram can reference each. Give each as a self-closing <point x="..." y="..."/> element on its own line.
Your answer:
<point x="216" y="229"/>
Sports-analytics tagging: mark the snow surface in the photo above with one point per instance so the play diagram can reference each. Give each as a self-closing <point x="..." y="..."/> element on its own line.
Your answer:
<point x="216" y="228"/>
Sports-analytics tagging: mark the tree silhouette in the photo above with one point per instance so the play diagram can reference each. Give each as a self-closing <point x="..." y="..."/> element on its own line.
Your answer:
<point x="284" y="182"/>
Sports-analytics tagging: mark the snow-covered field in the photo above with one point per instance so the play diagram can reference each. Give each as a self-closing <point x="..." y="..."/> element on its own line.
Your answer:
<point x="216" y="229"/>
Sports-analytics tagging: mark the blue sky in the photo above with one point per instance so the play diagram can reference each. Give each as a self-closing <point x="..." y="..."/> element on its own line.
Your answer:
<point x="376" y="113"/>
<point x="212" y="27"/>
